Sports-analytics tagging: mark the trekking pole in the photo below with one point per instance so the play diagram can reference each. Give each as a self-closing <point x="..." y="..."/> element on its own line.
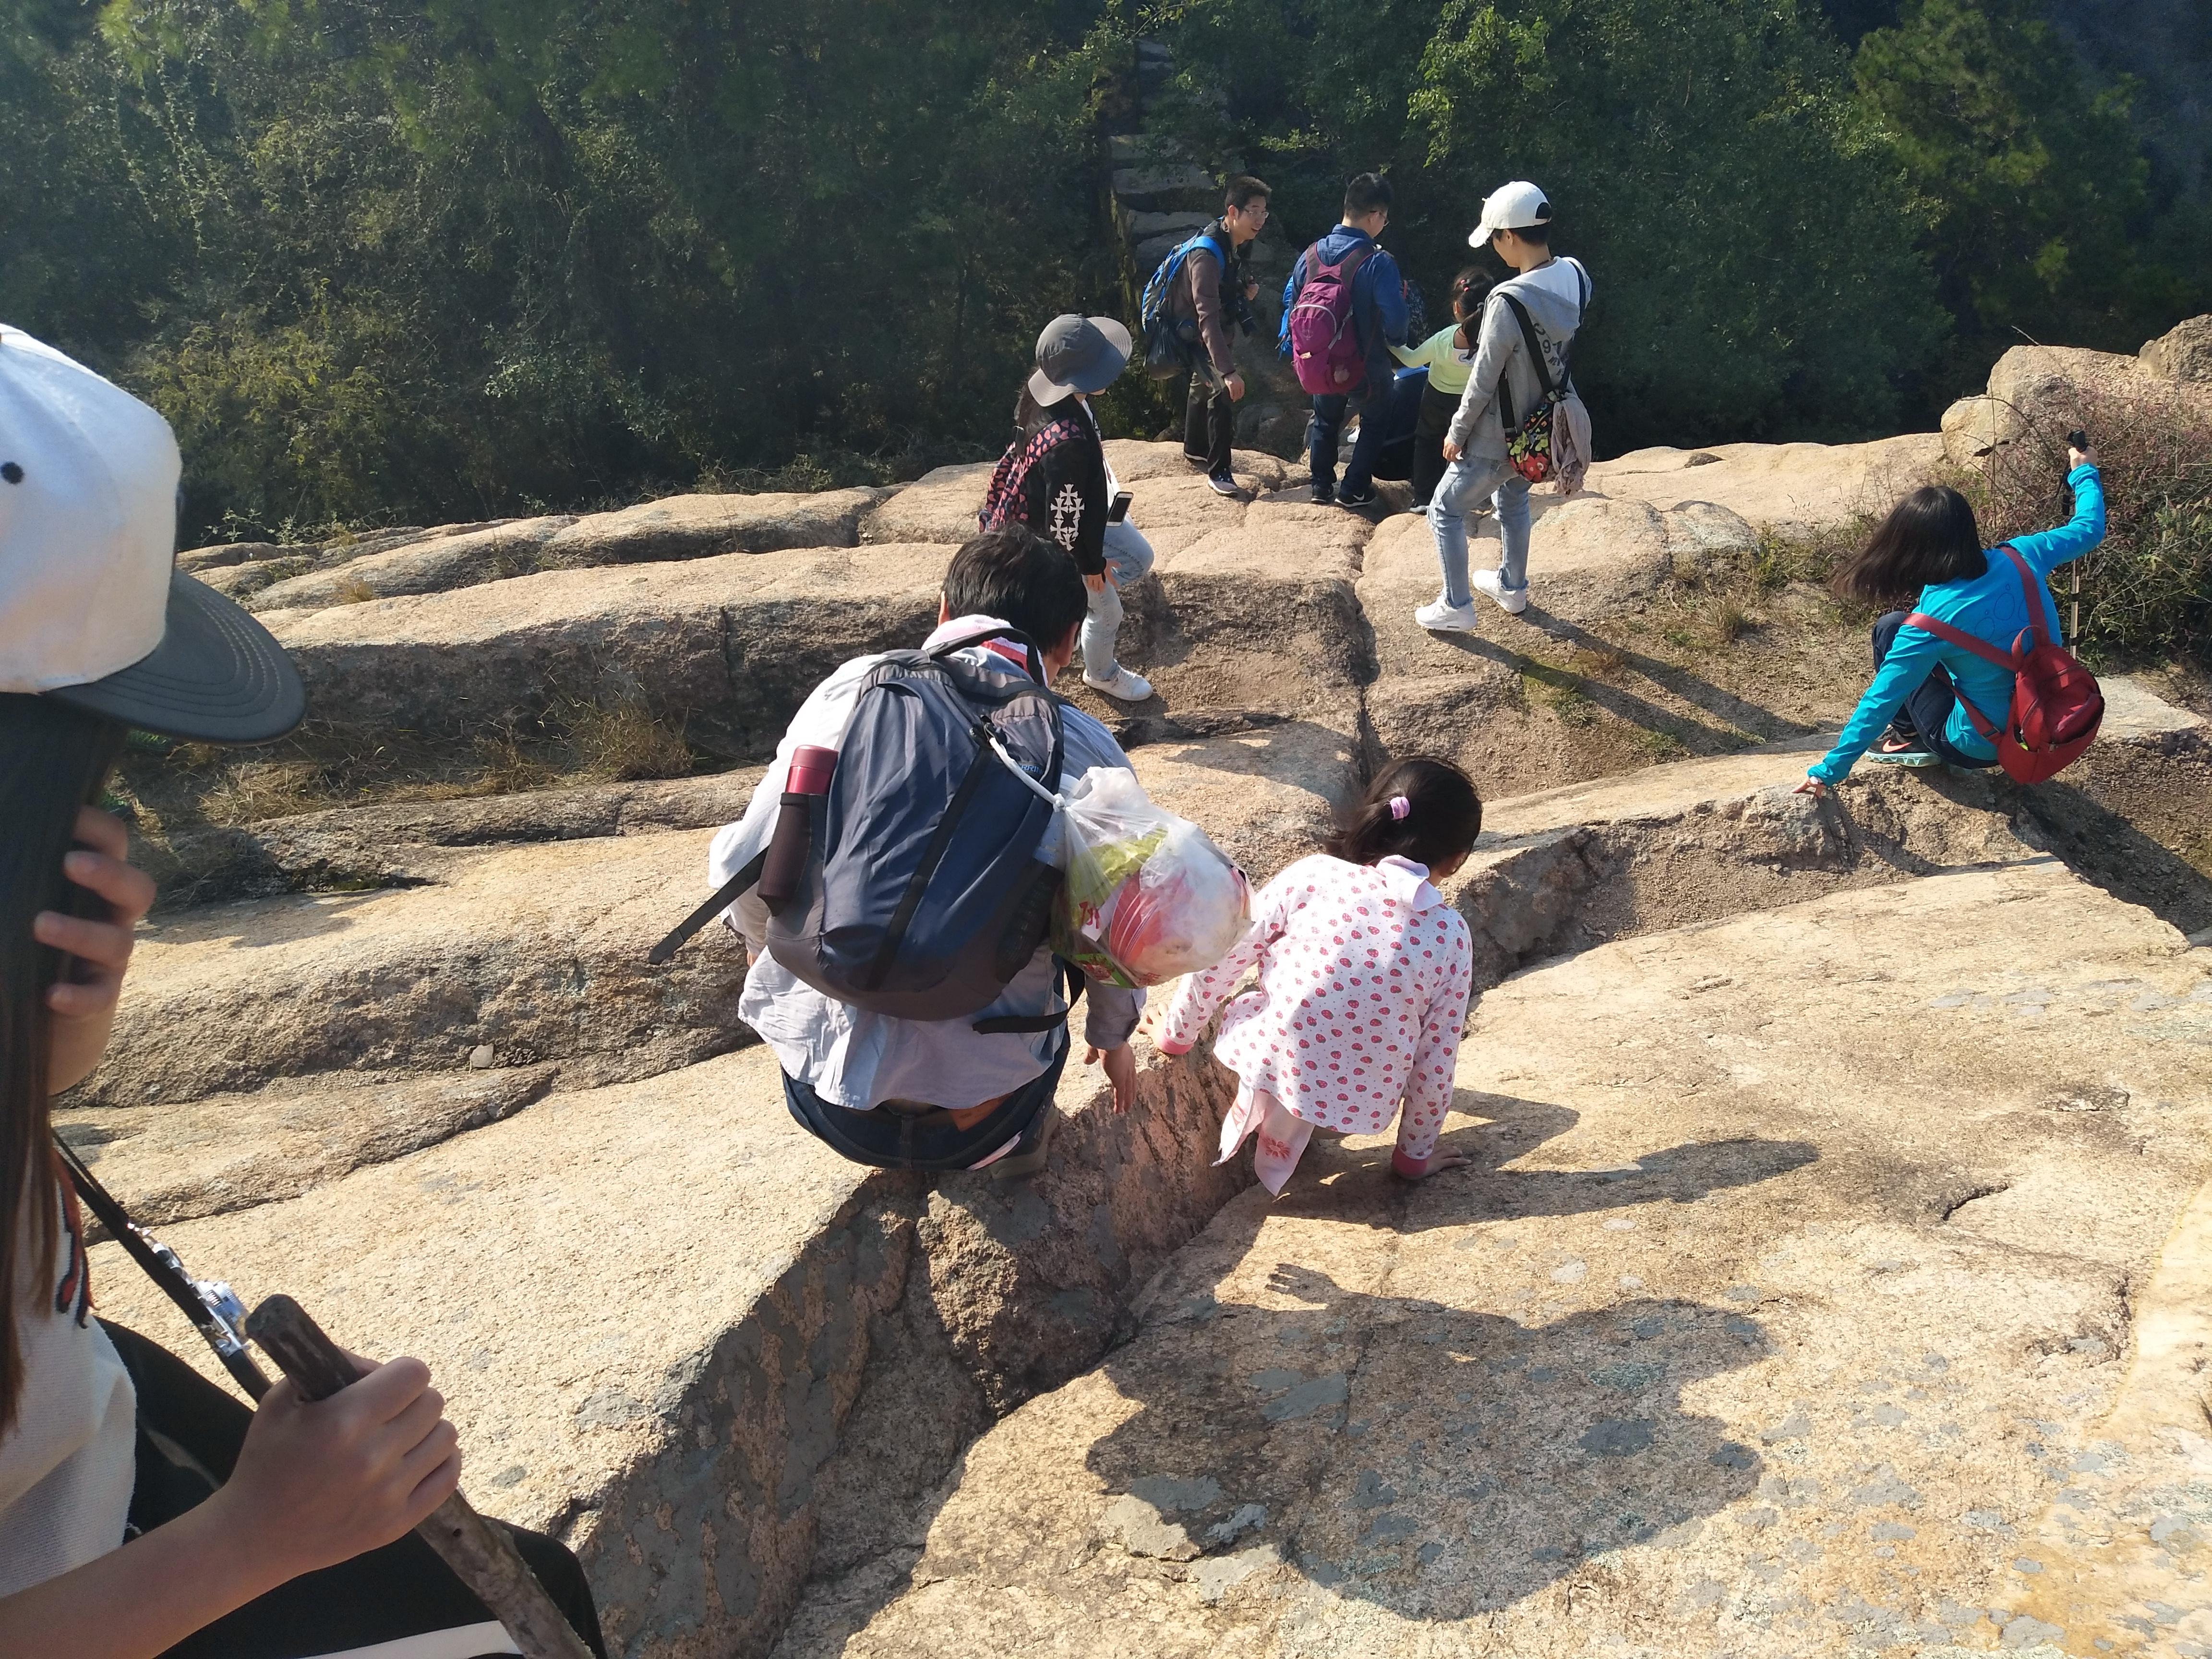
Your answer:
<point x="2080" y="440"/>
<point x="481" y="1555"/>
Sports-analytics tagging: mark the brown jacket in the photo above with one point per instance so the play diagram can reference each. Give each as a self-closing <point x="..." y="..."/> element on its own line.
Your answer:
<point x="1202" y="291"/>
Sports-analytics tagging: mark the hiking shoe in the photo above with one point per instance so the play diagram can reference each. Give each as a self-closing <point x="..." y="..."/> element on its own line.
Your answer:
<point x="1440" y="617"/>
<point x="1901" y="757"/>
<point x="1324" y="495"/>
<point x="1511" y="600"/>
<point x="1126" y="685"/>
<point x="1028" y="1158"/>
<point x="1224" y="484"/>
<point x="1356" y="497"/>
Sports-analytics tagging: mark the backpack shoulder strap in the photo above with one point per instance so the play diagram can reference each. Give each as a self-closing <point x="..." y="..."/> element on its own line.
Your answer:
<point x="2028" y="586"/>
<point x="1982" y="648"/>
<point x="1535" y="345"/>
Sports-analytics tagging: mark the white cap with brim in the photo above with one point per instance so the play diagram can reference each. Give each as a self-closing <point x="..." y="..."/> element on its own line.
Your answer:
<point x="1076" y="353"/>
<point x="92" y="610"/>
<point x="1516" y="206"/>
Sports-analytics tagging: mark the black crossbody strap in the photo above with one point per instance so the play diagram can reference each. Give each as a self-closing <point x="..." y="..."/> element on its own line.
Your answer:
<point x="1536" y="348"/>
<point x="724" y="896"/>
<point x="214" y="1312"/>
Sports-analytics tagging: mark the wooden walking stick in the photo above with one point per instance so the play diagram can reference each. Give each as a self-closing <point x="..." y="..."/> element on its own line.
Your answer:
<point x="482" y="1557"/>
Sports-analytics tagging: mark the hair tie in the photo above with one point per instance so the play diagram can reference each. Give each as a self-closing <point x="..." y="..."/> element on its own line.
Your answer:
<point x="1400" y="806"/>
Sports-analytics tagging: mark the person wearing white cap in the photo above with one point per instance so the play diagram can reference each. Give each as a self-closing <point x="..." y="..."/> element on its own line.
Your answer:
<point x="142" y="1510"/>
<point x="1504" y="387"/>
<point x="1055" y="478"/>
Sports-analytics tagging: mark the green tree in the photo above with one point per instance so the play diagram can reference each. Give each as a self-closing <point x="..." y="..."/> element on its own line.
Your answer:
<point x="1749" y="236"/>
<point x="2034" y="183"/>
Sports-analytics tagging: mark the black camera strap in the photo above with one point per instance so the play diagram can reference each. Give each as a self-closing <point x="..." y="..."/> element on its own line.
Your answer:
<point x="214" y="1309"/>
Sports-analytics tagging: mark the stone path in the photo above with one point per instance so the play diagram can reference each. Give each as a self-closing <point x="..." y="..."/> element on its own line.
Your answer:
<point x="1785" y="1312"/>
<point x="1844" y="1084"/>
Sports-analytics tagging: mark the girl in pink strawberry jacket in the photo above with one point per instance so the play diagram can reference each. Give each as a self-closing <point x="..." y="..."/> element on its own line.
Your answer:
<point x="1364" y="973"/>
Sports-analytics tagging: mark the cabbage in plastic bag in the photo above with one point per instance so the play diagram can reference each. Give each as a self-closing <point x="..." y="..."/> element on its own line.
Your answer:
<point x="1147" y="896"/>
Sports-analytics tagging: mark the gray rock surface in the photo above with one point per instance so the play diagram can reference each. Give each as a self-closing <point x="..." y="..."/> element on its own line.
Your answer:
<point x="516" y="548"/>
<point x="1768" y="1320"/>
<point x="178" y="1162"/>
<point x="2184" y="352"/>
<point x="536" y="951"/>
<point x="727" y="645"/>
<point x="352" y="847"/>
<point x="688" y="1339"/>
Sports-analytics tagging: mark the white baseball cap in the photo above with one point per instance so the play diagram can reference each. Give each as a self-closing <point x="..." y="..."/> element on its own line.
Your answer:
<point x="1516" y="206"/>
<point x="92" y="610"/>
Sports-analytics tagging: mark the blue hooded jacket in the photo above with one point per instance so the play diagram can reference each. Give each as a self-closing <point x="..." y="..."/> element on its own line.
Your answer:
<point x="1989" y="607"/>
<point x="1378" y="301"/>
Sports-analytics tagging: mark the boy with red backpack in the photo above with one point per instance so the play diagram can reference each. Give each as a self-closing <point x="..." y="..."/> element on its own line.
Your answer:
<point x="1971" y="675"/>
<point x="1344" y="307"/>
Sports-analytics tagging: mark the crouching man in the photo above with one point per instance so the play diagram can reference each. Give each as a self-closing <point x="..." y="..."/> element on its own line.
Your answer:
<point x="938" y="1094"/>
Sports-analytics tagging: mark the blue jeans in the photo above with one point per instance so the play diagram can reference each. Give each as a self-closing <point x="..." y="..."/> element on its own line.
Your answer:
<point x="1925" y="718"/>
<point x="1467" y="482"/>
<point x="1330" y="412"/>
<point x="1128" y="557"/>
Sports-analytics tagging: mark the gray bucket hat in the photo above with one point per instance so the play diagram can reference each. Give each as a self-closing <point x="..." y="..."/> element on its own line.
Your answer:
<point x="1078" y="354"/>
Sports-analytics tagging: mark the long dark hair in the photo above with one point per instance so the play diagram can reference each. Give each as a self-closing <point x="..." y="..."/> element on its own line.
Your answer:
<point x="52" y="760"/>
<point x="1468" y="290"/>
<point x="1031" y="415"/>
<point x="1443" y="816"/>
<point x="1929" y="537"/>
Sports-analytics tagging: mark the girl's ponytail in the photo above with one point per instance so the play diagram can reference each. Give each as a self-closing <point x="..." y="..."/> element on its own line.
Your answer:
<point x="1419" y="808"/>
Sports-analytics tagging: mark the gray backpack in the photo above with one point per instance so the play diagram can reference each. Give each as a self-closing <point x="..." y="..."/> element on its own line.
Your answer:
<point x="926" y="889"/>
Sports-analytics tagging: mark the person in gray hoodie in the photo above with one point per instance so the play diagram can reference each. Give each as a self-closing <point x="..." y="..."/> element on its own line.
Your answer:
<point x="1503" y="390"/>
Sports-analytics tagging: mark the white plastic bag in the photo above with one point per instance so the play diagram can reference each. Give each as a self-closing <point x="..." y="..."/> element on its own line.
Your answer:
<point x="1147" y="896"/>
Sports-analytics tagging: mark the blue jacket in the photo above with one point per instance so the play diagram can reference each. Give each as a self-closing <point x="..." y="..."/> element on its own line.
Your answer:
<point x="1989" y="607"/>
<point x="1378" y="301"/>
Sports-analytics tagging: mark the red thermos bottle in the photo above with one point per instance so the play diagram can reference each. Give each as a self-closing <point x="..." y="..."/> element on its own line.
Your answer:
<point x="804" y="790"/>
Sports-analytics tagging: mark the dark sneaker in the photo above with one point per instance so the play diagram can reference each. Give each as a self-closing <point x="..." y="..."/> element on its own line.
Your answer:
<point x="1356" y="497"/>
<point x="1224" y="484"/>
<point x="1324" y="495"/>
<point x="1198" y="460"/>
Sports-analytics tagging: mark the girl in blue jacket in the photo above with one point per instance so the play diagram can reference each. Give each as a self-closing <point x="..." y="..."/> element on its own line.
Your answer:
<point x="1930" y="543"/>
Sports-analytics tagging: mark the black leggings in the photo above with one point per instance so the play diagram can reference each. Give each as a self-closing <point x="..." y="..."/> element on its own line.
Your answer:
<point x="189" y="1436"/>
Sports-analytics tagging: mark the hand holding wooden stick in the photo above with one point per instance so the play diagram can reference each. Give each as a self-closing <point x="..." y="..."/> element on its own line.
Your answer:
<point x="482" y="1557"/>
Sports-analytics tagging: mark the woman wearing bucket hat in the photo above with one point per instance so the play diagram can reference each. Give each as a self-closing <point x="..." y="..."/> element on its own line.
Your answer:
<point x="1054" y="477"/>
<point x="142" y="1510"/>
<point x="1553" y="292"/>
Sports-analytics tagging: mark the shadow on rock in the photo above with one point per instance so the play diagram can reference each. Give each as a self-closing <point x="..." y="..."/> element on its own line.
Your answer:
<point x="1436" y="1461"/>
<point x="1363" y="1191"/>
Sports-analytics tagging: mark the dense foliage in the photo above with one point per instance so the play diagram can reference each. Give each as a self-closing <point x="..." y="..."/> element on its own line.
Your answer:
<point x="423" y="259"/>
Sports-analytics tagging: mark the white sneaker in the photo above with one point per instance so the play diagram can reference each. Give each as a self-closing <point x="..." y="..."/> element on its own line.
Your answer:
<point x="1511" y="600"/>
<point x="1126" y="685"/>
<point x="1440" y="617"/>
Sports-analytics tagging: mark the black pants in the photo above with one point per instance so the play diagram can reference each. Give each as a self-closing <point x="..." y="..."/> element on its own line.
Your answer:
<point x="189" y="1436"/>
<point x="1926" y="713"/>
<point x="887" y="1139"/>
<point x="1430" y="427"/>
<point x="1209" y="426"/>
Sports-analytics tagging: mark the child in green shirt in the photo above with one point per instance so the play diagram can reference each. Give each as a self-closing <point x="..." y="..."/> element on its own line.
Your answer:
<point x="1448" y="355"/>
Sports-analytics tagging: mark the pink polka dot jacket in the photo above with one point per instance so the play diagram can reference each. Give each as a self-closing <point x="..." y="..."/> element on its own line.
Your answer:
<point x="1365" y="975"/>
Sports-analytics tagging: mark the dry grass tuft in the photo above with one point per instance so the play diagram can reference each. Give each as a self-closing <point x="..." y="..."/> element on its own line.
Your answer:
<point x="623" y="740"/>
<point x="353" y="591"/>
<point x="2146" y="591"/>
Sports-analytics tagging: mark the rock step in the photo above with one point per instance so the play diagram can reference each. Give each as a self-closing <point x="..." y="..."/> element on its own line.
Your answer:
<point x="535" y="952"/>
<point x="698" y="1347"/>
<point x="1785" y="1294"/>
